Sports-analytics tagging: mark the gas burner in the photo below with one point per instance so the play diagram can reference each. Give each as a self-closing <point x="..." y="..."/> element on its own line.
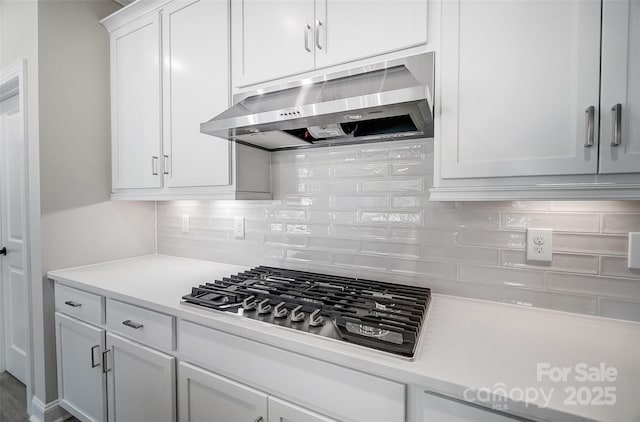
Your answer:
<point x="383" y="316"/>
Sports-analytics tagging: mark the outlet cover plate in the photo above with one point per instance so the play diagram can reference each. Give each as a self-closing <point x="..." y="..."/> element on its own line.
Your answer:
<point x="634" y="251"/>
<point x="238" y="227"/>
<point x="539" y="245"/>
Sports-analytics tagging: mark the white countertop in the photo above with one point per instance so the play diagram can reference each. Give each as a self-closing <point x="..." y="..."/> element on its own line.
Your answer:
<point x="466" y="343"/>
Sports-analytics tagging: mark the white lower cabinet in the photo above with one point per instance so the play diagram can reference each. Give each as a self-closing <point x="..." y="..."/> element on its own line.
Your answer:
<point x="81" y="381"/>
<point x="282" y="411"/>
<point x="338" y="392"/>
<point x="141" y="382"/>
<point x="439" y="409"/>
<point x="207" y="397"/>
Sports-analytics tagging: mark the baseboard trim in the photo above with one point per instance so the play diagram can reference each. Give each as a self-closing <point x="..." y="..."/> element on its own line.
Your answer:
<point x="50" y="412"/>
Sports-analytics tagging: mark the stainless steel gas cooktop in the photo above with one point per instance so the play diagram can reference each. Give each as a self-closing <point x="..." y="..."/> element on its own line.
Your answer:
<point x="382" y="316"/>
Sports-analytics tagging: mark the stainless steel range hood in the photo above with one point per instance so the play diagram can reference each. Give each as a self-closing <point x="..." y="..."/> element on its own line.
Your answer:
<point x="391" y="100"/>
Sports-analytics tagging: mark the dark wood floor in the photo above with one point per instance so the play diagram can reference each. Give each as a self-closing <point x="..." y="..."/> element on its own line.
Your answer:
<point x="13" y="399"/>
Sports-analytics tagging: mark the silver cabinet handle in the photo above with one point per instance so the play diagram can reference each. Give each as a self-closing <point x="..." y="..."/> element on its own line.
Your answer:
<point x="591" y="115"/>
<point x="307" y="28"/>
<point x="105" y="369"/>
<point x="154" y="165"/>
<point x="93" y="356"/>
<point x="318" y="25"/>
<point x="259" y="419"/>
<point x="73" y="304"/>
<point x="166" y="164"/>
<point x="134" y="325"/>
<point x="617" y="125"/>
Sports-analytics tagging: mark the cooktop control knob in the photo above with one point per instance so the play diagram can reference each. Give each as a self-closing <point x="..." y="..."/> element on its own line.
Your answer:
<point x="264" y="307"/>
<point x="249" y="303"/>
<point x="296" y="314"/>
<point x="315" y="319"/>
<point x="279" y="311"/>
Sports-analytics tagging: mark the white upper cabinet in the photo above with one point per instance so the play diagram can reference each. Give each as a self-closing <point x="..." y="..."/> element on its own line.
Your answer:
<point x="136" y="109"/>
<point x="272" y="38"/>
<point x="170" y="67"/>
<point x="196" y="87"/>
<point x="620" y="114"/>
<point x="347" y="30"/>
<point x="520" y="88"/>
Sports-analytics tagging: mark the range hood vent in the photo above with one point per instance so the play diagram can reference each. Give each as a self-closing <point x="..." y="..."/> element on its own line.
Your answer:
<point x="387" y="101"/>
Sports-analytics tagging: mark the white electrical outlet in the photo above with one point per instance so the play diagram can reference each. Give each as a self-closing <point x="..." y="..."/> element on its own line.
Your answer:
<point x="185" y="224"/>
<point x="634" y="251"/>
<point x="238" y="227"/>
<point x="539" y="245"/>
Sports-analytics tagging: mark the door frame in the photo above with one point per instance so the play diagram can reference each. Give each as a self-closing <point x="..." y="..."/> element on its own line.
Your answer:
<point x="13" y="79"/>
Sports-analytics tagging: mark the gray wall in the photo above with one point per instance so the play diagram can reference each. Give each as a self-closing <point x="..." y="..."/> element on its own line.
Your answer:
<point x="80" y="225"/>
<point x="68" y="113"/>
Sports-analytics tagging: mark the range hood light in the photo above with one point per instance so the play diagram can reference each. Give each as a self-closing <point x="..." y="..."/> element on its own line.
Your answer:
<point x="353" y="117"/>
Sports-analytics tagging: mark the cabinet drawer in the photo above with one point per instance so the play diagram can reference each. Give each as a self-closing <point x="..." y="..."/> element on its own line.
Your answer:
<point x="329" y="389"/>
<point x="147" y="327"/>
<point x="82" y="305"/>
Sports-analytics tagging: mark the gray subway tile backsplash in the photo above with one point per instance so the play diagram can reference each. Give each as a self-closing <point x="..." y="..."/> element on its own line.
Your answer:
<point x="364" y="211"/>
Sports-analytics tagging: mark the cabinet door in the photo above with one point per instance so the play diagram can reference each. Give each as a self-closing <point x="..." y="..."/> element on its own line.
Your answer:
<point x="282" y="411"/>
<point x="517" y="78"/>
<point x="620" y="86"/>
<point x="271" y="39"/>
<point x="437" y="409"/>
<point x="141" y="382"/>
<point x="196" y="88"/>
<point x="81" y="381"/>
<point x="135" y="104"/>
<point x="349" y="30"/>
<point x="206" y="397"/>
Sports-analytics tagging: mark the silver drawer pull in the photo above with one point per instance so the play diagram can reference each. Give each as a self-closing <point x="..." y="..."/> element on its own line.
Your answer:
<point x="317" y="35"/>
<point x="307" y="28"/>
<point x="134" y="325"/>
<point x="154" y="165"/>
<point x="590" y="128"/>
<point x="93" y="354"/>
<point x="617" y="125"/>
<point x="73" y="304"/>
<point x="105" y="369"/>
<point x="259" y="419"/>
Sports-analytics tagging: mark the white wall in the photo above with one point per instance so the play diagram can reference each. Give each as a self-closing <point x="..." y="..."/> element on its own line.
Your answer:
<point x="364" y="211"/>
<point x="80" y="225"/>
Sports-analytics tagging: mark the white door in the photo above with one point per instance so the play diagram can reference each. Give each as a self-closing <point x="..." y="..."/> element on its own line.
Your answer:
<point x="517" y="81"/>
<point x="282" y="411"/>
<point x="437" y="409"/>
<point x="206" y="397"/>
<point x="353" y="29"/>
<point x="140" y="381"/>
<point x="196" y="88"/>
<point x="81" y="381"/>
<point x="272" y="39"/>
<point x="620" y="115"/>
<point x="12" y="225"/>
<point x="136" y="108"/>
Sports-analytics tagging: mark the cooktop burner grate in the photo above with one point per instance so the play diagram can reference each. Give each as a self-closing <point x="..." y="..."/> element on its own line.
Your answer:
<point x="383" y="316"/>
